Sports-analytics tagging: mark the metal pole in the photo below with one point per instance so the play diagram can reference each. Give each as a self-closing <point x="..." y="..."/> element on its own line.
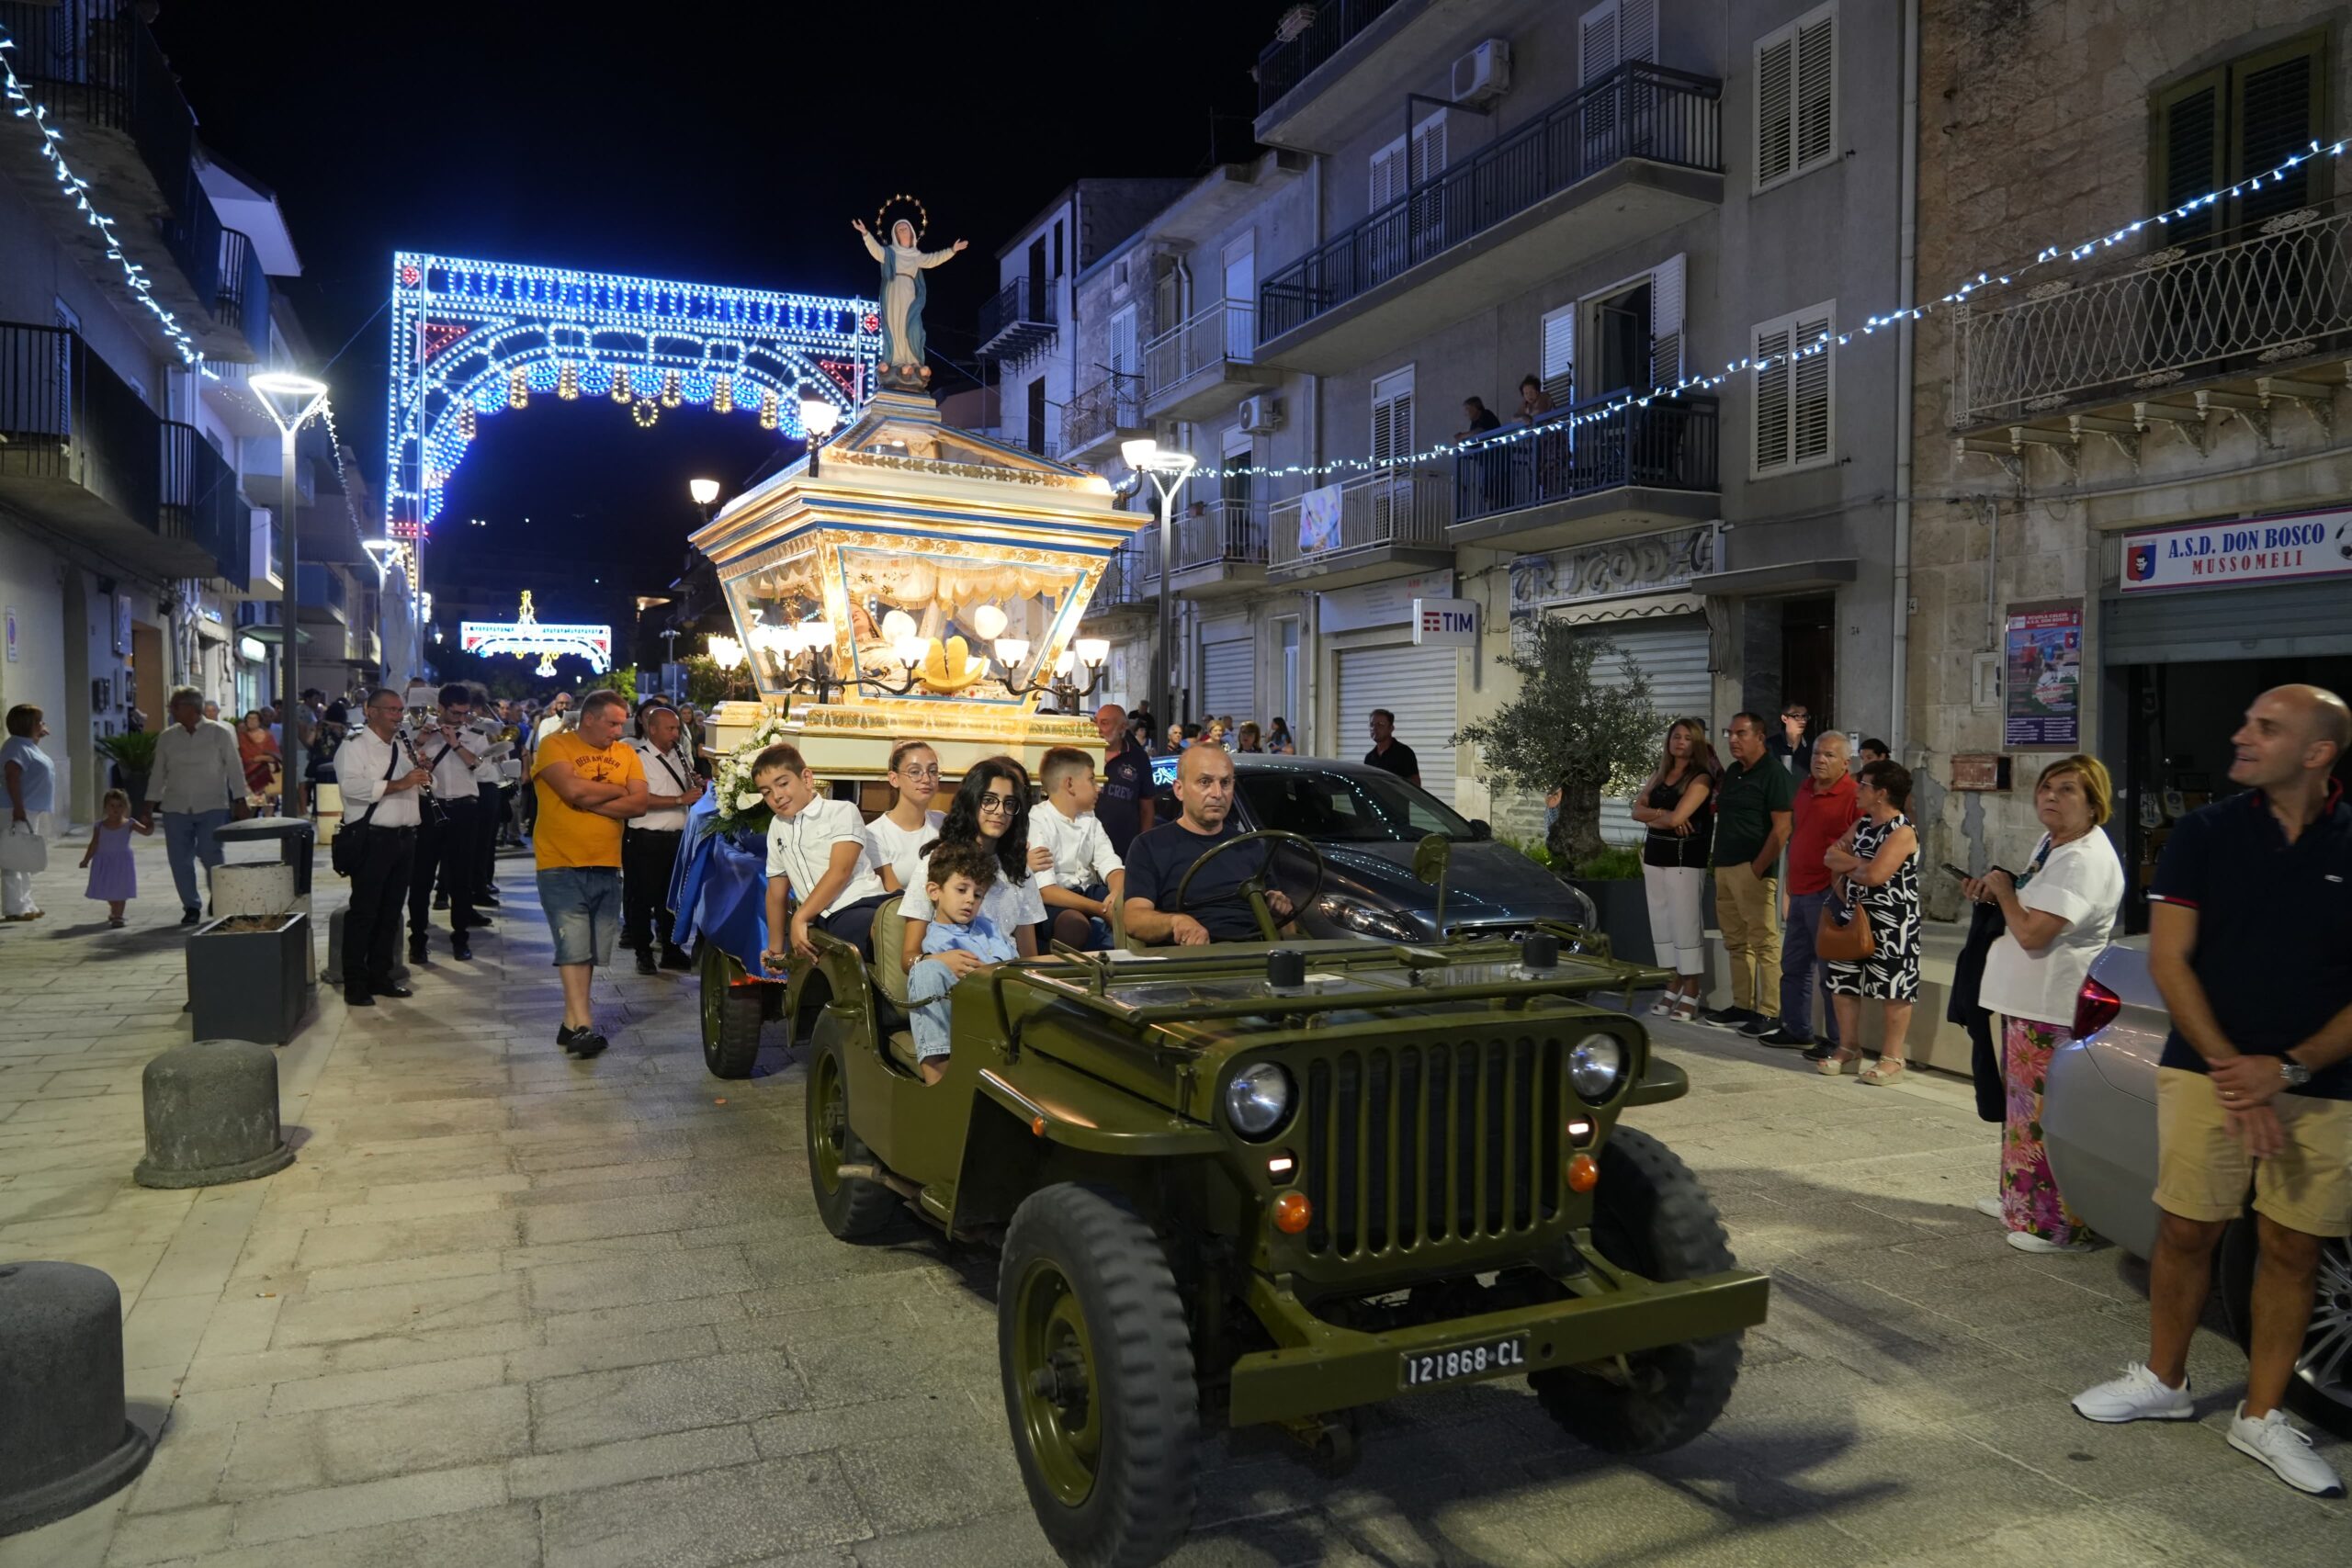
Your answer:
<point x="289" y="615"/>
<point x="1167" y="715"/>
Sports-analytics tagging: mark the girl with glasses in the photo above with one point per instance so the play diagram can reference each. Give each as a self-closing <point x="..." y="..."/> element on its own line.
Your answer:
<point x="901" y="834"/>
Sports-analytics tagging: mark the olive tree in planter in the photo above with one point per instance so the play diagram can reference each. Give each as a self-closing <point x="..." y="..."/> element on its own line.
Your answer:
<point x="1587" y="738"/>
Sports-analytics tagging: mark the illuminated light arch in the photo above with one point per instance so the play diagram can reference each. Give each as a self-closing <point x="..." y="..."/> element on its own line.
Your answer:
<point x="526" y="635"/>
<point x="473" y="339"/>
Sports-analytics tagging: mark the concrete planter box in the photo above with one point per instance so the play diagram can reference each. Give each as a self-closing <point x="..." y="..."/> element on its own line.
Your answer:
<point x="248" y="983"/>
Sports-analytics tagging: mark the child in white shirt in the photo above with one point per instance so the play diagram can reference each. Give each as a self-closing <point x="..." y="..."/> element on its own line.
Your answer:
<point x="1087" y="874"/>
<point x="901" y="833"/>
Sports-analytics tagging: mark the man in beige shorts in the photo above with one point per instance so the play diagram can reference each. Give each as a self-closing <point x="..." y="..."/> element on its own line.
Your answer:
<point x="2250" y="940"/>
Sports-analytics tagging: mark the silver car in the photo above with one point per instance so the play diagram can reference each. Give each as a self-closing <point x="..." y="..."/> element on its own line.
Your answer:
<point x="2098" y="1117"/>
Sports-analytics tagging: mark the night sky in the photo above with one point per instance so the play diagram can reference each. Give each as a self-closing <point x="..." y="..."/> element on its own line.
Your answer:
<point x="722" y="143"/>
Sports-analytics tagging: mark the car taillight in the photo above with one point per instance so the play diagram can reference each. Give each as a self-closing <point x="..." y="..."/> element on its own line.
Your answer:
<point x="2095" y="1009"/>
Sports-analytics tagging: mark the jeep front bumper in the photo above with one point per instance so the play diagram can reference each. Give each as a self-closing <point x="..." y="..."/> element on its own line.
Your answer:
<point x="1322" y="1366"/>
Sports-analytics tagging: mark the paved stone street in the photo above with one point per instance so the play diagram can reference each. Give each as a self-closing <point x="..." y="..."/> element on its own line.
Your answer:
<point x="511" y="1309"/>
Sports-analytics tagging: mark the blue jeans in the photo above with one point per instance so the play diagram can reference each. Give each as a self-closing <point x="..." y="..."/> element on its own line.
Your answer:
<point x="931" y="979"/>
<point x="582" y="903"/>
<point x="188" y="837"/>
<point x="1800" y="967"/>
<point x="1098" y="930"/>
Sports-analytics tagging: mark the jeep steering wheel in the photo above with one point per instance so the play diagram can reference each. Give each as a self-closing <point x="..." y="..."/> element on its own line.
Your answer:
<point x="1253" y="886"/>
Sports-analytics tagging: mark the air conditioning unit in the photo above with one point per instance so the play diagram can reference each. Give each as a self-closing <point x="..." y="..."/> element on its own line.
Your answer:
<point x="1483" y="74"/>
<point x="1262" y="414"/>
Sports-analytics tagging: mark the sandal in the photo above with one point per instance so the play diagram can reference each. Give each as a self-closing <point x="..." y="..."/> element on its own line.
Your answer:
<point x="1687" y="1011"/>
<point x="1839" y="1064"/>
<point x="1885" y="1070"/>
<point x="1663" y="1007"/>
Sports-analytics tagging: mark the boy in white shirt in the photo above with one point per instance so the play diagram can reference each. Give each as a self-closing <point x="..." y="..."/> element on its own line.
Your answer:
<point x="818" y="853"/>
<point x="1087" y="874"/>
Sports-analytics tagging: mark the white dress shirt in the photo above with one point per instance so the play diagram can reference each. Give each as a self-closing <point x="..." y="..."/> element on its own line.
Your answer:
<point x="801" y="848"/>
<point x="196" y="770"/>
<point x="481" y="740"/>
<point x="453" y="776"/>
<point x="361" y="765"/>
<point x="900" y="848"/>
<point x="1081" y="850"/>
<point x="666" y="772"/>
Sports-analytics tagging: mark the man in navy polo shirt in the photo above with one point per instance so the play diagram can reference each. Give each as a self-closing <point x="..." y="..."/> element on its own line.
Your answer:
<point x="2250" y="939"/>
<point x="1124" y="805"/>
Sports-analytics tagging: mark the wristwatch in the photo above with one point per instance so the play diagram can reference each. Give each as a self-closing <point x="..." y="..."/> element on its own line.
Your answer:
<point x="2294" y="1072"/>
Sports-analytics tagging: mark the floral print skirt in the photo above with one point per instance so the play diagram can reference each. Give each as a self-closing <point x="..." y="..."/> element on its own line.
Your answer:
<point x="2030" y="1198"/>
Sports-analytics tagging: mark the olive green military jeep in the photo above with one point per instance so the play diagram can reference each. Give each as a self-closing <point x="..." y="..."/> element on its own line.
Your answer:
<point x="1268" y="1184"/>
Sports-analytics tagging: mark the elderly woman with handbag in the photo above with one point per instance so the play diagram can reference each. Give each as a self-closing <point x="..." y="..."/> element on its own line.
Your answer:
<point x="1873" y="952"/>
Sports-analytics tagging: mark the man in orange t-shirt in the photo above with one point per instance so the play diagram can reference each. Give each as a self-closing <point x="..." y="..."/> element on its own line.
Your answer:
<point x="587" y="783"/>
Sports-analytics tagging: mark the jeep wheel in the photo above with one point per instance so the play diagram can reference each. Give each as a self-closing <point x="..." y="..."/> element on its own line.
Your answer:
<point x="1652" y="1217"/>
<point x="851" y="1206"/>
<point x="1098" y="1377"/>
<point x="730" y="1016"/>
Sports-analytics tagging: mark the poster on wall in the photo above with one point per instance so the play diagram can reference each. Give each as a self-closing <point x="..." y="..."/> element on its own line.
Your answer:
<point x="1318" y="520"/>
<point x="2043" y="675"/>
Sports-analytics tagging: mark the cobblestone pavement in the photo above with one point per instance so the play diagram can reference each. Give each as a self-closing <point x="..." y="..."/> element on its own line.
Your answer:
<point x="511" y="1309"/>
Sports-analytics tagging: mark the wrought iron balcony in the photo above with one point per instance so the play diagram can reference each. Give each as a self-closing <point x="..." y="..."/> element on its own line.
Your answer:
<point x="200" y="504"/>
<point x="1285" y="63"/>
<point x="1097" y="418"/>
<point x="1203" y="364"/>
<point x="1584" y="468"/>
<point x="1647" y="138"/>
<point x="242" y="300"/>
<point x="1388" y="522"/>
<point x="1220" y="548"/>
<point x="1019" y="318"/>
<point x="2140" y="334"/>
<point x="1131" y="577"/>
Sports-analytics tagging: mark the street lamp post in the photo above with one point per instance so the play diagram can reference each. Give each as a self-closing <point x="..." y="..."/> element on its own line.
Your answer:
<point x="1168" y="470"/>
<point x="291" y="400"/>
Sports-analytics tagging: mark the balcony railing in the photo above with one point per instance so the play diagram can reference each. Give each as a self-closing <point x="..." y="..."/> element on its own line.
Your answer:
<point x="200" y="502"/>
<point x="66" y="416"/>
<point x="1224" y="332"/>
<point x="242" y="301"/>
<point x="1131" y="577"/>
<point x="1018" y="319"/>
<point x="1640" y="110"/>
<point x="1388" y="506"/>
<point x="1227" y="530"/>
<point x="2126" y="327"/>
<point x="1113" y="404"/>
<point x="1285" y="63"/>
<point x="1666" y="444"/>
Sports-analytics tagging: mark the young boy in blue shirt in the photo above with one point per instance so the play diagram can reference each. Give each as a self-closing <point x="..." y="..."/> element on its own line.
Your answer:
<point x="957" y="941"/>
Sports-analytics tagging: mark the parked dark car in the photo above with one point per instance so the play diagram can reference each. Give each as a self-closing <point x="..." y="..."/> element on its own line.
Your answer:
<point x="2098" y="1117"/>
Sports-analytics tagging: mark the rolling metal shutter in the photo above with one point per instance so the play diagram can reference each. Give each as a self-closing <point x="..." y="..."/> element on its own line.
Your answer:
<point x="2272" y="620"/>
<point x="1673" y="655"/>
<point x="1228" y="682"/>
<point x="1419" y="685"/>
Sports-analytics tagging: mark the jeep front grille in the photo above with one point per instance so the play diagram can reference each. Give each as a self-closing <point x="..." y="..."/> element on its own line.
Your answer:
<point x="1410" y="1147"/>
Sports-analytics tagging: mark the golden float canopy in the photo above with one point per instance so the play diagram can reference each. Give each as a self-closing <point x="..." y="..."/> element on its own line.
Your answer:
<point x="916" y="551"/>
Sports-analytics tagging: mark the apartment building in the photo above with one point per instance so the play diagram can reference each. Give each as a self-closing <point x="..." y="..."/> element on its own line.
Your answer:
<point x="2135" y="496"/>
<point x="140" y="489"/>
<point x="1612" y="199"/>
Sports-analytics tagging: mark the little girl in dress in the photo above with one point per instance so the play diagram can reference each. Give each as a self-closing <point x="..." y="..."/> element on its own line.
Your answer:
<point x="113" y="876"/>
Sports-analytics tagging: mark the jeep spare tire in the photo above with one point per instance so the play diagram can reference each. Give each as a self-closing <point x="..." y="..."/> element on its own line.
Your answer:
<point x="1097" y="1360"/>
<point x="1651" y="1217"/>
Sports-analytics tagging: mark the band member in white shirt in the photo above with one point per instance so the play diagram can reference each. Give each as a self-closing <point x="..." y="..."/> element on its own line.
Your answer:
<point x="445" y="838"/>
<point x="649" y="843"/>
<point x="380" y="804"/>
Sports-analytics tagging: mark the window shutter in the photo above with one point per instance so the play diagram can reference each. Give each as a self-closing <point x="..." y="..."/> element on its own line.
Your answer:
<point x="1809" y="394"/>
<point x="2278" y="107"/>
<point x="1387" y="176"/>
<point x="1597" y="54"/>
<point x="1392" y="417"/>
<point x="1429" y="148"/>
<point x="1665" y="324"/>
<point x="1557" y="365"/>
<point x="1772" y="399"/>
<point x="1817" y="91"/>
<point x="1122" y="341"/>
<point x="1637" y="30"/>
<point x="2190" y="152"/>
<point x="1775" y="109"/>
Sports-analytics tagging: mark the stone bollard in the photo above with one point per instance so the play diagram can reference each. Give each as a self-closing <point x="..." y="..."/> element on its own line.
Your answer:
<point x="211" y="1116"/>
<point x="65" y="1441"/>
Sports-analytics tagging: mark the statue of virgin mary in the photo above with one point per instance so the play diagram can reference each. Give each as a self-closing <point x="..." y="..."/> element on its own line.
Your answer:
<point x="903" y="292"/>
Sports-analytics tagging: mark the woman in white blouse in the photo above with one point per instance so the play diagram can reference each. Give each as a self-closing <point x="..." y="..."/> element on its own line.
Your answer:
<point x="2059" y="912"/>
<point x="901" y="833"/>
<point x="991" y="807"/>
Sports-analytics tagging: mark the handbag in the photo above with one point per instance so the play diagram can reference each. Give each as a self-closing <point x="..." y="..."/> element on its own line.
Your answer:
<point x="1846" y="940"/>
<point x="351" y="838"/>
<point x="22" y="849"/>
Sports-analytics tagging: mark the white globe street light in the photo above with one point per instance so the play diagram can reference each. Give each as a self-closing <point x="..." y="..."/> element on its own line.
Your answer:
<point x="291" y="400"/>
<point x="1167" y="469"/>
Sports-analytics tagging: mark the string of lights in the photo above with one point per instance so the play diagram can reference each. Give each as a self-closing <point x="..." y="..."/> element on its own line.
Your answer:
<point x="1708" y="380"/>
<point x="76" y="190"/>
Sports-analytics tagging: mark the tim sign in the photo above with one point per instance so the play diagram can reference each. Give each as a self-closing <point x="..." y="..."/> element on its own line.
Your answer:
<point x="2252" y="549"/>
<point x="1445" y="622"/>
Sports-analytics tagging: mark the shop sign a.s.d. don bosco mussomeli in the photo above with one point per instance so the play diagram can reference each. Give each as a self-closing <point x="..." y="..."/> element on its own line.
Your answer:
<point x="2239" y="550"/>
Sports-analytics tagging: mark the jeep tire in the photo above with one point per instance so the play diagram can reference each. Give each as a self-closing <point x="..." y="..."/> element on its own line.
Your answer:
<point x="851" y="1206"/>
<point x="1651" y="1217"/>
<point x="730" y="1016"/>
<point x="1097" y="1359"/>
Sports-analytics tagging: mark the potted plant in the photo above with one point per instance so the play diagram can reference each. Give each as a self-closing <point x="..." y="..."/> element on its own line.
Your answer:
<point x="1567" y="731"/>
<point x="134" y="754"/>
<point x="248" y="976"/>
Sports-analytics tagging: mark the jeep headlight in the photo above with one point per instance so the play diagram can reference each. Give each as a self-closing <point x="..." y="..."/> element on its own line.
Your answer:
<point x="1357" y="918"/>
<point x="1595" y="1067"/>
<point x="1257" y="1098"/>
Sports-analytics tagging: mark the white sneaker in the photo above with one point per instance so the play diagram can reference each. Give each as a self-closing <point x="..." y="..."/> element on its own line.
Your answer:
<point x="2026" y="1241"/>
<point x="2286" y="1450"/>
<point x="2138" y="1395"/>
<point x="1989" y="1205"/>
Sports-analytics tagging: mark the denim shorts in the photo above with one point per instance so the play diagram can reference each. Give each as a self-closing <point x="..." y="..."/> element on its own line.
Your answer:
<point x="583" y="910"/>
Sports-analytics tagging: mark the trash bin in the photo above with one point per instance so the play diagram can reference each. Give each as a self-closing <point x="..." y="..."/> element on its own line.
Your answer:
<point x="266" y="870"/>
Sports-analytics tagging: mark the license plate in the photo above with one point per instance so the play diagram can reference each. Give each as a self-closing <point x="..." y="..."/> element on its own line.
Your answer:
<point x="1426" y="1369"/>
